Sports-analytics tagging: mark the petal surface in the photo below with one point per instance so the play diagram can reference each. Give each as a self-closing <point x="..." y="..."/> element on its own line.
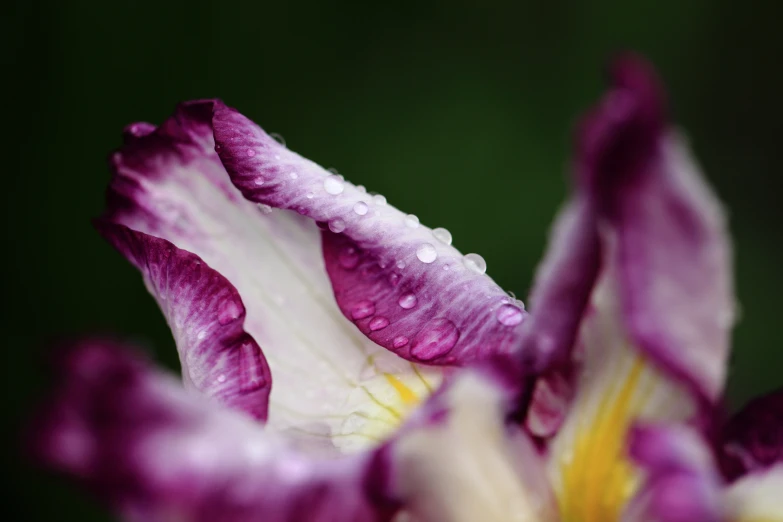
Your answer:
<point x="681" y="483"/>
<point x="153" y="451"/>
<point x="752" y="440"/>
<point x="206" y="315"/>
<point x="399" y="282"/>
<point x="673" y="253"/>
<point x="469" y="464"/>
<point x="333" y="387"/>
<point x="756" y="497"/>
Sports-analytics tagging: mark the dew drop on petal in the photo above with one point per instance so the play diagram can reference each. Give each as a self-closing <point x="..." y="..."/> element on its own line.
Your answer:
<point x="278" y="138"/>
<point x="509" y="315"/>
<point x="379" y="200"/>
<point x="400" y="264"/>
<point x="400" y="341"/>
<point x="293" y="175"/>
<point x="394" y="279"/>
<point x="259" y="181"/>
<point x="201" y="334"/>
<point x="361" y="188"/>
<point x="360" y="208"/>
<point x="442" y="235"/>
<point x="310" y="195"/>
<point x="411" y="221"/>
<point x="435" y="339"/>
<point x="250" y="153"/>
<point x="266" y="209"/>
<point x="337" y="225"/>
<point x="475" y="263"/>
<point x="407" y="301"/>
<point x="447" y="267"/>
<point x="221" y="378"/>
<point x="363" y="309"/>
<point x="333" y="185"/>
<point x="229" y="311"/>
<point x="378" y="323"/>
<point x="348" y="258"/>
<point x="426" y="253"/>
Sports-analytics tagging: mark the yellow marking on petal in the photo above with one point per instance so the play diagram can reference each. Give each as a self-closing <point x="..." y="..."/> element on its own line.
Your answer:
<point x="406" y="394"/>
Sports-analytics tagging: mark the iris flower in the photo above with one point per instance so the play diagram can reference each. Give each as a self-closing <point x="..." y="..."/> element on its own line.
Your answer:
<point x="341" y="361"/>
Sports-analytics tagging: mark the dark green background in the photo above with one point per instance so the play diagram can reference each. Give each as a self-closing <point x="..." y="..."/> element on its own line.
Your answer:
<point x="460" y="114"/>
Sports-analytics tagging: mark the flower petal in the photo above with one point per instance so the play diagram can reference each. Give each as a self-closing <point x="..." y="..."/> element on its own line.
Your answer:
<point x="206" y="316"/>
<point x="756" y="497"/>
<point x="156" y="452"/>
<point x="672" y="248"/>
<point x="681" y="483"/>
<point x="466" y="463"/>
<point x="588" y="466"/>
<point x="752" y="440"/>
<point x="401" y="283"/>
<point x="332" y="386"/>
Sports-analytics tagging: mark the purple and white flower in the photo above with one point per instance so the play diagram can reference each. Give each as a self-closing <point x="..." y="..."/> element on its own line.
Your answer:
<point x="342" y="361"/>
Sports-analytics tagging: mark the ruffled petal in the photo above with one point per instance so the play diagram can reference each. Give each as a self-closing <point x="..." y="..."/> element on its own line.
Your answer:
<point x="752" y="440"/>
<point x="155" y="452"/>
<point x="673" y="253"/>
<point x="399" y="282"/>
<point x="465" y="463"/>
<point x="332" y="386"/>
<point x="681" y="484"/>
<point x="206" y="316"/>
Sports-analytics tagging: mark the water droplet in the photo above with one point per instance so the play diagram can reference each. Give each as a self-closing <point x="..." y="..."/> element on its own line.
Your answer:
<point x="442" y="235"/>
<point x="334" y="171"/>
<point x="363" y="309"/>
<point x="221" y="378"/>
<point x="407" y="301"/>
<point x="447" y="267"/>
<point x="202" y="334"/>
<point x="337" y="225"/>
<point x="361" y="208"/>
<point x="277" y="156"/>
<point x="378" y="323"/>
<point x="361" y="189"/>
<point x="437" y="338"/>
<point x="394" y="278"/>
<point x="229" y="311"/>
<point x="411" y="221"/>
<point x="266" y="209"/>
<point x="426" y="253"/>
<point x="259" y="181"/>
<point x="250" y="153"/>
<point x="348" y="258"/>
<point x="400" y="264"/>
<point x="379" y="200"/>
<point x="278" y="138"/>
<point x="512" y="295"/>
<point x="400" y="341"/>
<point x="293" y="175"/>
<point x="333" y="185"/>
<point x="509" y="315"/>
<point x="475" y="263"/>
<point x="310" y="195"/>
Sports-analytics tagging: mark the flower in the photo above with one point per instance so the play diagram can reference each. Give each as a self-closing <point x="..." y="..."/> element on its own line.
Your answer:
<point x="368" y="370"/>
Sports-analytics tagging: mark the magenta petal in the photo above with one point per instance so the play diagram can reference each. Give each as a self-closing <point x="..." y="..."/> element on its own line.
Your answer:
<point x="155" y="452"/>
<point x="402" y="286"/>
<point x="206" y="316"/>
<point x="681" y="483"/>
<point x="673" y="253"/>
<point x="753" y="439"/>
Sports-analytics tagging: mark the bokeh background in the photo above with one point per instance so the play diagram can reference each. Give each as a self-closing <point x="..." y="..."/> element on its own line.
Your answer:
<point x="459" y="113"/>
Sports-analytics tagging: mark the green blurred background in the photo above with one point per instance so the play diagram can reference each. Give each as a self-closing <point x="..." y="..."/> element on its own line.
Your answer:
<point x="460" y="114"/>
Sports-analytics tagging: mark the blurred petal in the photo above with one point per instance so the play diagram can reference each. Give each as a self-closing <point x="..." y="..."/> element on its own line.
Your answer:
<point x="756" y="497"/>
<point x="753" y="439"/>
<point x="681" y="483"/>
<point x="468" y="464"/>
<point x="206" y="316"/>
<point x="155" y="452"/>
<point x="398" y="281"/>
<point x="588" y="466"/>
<point x="673" y="255"/>
<point x="332" y="386"/>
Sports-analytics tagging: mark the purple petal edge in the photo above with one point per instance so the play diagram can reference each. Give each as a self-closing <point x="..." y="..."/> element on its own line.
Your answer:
<point x="400" y="285"/>
<point x="752" y="440"/>
<point x="137" y="440"/>
<point x="206" y="315"/>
